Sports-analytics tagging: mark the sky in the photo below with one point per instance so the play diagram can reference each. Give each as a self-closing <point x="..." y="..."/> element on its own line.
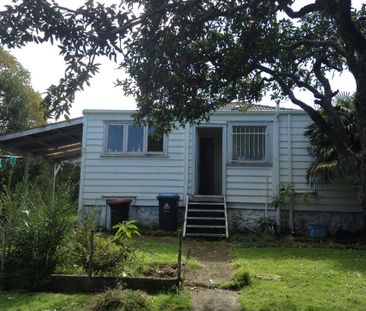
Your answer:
<point x="46" y="67"/>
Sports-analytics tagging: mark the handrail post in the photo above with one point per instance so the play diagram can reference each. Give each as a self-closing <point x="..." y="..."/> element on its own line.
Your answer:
<point x="179" y="266"/>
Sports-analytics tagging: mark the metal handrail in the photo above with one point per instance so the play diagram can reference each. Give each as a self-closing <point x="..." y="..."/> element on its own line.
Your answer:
<point x="185" y="215"/>
<point x="226" y="225"/>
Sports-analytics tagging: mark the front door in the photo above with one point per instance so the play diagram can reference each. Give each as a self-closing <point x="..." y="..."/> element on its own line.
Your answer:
<point x="209" y="161"/>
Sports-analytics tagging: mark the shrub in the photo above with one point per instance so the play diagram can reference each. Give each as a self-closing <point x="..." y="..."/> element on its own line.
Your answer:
<point x="135" y="301"/>
<point x="121" y="300"/>
<point x="108" y="258"/>
<point x="241" y="278"/>
<point x="108" y="301"/>
<point x="35" y="224"/>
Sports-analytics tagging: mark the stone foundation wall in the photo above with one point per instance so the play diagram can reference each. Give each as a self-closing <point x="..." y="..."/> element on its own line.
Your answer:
<point x="354" y="222"/>
<point x="246" y="219"/>
<point x="149" y="215"/>
<point x="241" y="219"/>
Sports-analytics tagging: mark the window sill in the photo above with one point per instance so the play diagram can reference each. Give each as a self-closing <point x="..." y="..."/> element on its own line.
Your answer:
<point x="134" y="155"/>
<point x="250" y="163"/>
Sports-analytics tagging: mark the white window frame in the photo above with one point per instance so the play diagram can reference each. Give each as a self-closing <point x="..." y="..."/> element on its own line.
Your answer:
<point x="124" y="151"/>
<point x="267" y="150"/>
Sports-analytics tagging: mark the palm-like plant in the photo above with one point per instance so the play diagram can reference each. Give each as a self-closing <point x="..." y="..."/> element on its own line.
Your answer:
<point x="328" y="164"/>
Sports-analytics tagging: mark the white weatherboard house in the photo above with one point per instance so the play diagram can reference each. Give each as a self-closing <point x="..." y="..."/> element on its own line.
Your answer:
<point x="236" y="162"/>
<point x="226" y="171"/>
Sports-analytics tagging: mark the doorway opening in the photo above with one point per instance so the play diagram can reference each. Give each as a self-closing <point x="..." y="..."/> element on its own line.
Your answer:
<point x="209" y="155"/>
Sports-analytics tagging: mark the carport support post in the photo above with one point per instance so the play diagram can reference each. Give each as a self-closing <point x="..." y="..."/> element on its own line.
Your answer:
<point x="56" y="169"/>
<point x="26" y="168"/>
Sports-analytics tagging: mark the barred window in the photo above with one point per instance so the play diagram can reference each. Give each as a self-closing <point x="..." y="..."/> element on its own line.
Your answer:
<point x="249" y="143"/>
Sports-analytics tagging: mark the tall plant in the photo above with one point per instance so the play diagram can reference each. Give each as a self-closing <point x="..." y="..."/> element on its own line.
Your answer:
<point x="329" y="164"/>
<point x="35" y="227"/>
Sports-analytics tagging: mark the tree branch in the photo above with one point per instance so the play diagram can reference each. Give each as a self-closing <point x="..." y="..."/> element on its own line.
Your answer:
<point x="314" y="114"/>
<point x="302" y="12"/>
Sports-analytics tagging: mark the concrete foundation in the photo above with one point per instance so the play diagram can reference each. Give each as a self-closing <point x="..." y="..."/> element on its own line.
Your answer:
<point x="353" y="222"/>
<point x="241" y="219"/>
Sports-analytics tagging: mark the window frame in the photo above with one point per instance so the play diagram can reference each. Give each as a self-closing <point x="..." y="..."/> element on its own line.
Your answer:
<point x="267" y="150"/>
<point x="124" y="151"/>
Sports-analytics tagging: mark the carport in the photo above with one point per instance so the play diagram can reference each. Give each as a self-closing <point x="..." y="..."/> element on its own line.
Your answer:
<point x="55" y="142"/>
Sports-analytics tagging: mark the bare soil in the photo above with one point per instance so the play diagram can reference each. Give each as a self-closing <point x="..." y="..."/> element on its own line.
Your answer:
<point x="215" y="270"/>
<point x="161" y="271"/>
<point x="206" y="299"/>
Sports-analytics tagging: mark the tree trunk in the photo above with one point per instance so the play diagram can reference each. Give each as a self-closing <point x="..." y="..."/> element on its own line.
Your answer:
<point x="360" y="98"/>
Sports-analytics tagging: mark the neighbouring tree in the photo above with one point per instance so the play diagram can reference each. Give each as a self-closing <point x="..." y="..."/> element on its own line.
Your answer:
<point x="187" y="58"/>
<point x="19" y="103"/>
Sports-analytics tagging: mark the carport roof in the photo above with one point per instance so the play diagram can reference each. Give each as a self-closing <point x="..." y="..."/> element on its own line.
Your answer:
<point x="56" y="141"/>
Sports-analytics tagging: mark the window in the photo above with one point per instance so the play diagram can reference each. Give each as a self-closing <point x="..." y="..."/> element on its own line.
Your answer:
<point x="135" y="142"/>
<point x="127" y="138"/>
<point x="249" y="143"/>
<point x="115" y="138"/>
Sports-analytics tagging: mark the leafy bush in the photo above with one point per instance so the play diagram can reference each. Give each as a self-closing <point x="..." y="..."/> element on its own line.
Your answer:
<point x="241" y="278"/>
<point x="121" y="300"/>
<point x="34" y="224"/>
<point x="110" y="253"/>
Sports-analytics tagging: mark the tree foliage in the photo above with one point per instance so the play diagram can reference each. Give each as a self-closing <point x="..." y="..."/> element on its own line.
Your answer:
<point x="19" y="103"/>
<point x="187" y="58"/>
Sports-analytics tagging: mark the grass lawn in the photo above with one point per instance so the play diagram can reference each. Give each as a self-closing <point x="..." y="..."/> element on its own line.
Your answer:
<point x="157" y="252"/>
<point x="303" y="279"/>
<point x="19" y="301"/>
<point x="15" y="301"/>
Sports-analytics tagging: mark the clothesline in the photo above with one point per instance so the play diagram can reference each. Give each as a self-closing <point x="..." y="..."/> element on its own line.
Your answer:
<point x="11" y="159"/>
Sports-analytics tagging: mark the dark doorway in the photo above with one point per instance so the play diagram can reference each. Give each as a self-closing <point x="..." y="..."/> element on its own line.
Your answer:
<point x="210" y="161"/>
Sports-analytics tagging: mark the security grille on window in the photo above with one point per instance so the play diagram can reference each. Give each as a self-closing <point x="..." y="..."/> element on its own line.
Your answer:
<point x="249" y="143"/>
<point x="127" y="138"/>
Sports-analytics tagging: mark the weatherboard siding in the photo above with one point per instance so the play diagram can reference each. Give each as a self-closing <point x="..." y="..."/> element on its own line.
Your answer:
<point x="140" y="177"/>
<point x="249" y="186"/>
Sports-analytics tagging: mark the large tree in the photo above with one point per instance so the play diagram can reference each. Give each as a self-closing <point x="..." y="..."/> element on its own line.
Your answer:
<point x="19" y="103"/>
<point x="187" y="58"/>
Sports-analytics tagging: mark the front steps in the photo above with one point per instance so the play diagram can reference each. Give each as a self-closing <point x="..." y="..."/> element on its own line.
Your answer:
<point x="205" y="216"/>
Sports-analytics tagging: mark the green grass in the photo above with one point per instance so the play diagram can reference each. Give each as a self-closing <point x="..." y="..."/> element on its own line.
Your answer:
<point x="150" y="253"/>
<point x="146" y="252"/>
<point x="303" y="279"/>
<point x="19" y="301"/>
<point x="180" y="301"/>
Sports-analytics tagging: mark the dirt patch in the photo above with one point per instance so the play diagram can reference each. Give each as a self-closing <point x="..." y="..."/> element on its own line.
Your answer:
<point x="205" y="299"/>
<point x="215" y="269"/>
<point x="161" y="271"/>
<point x="215" y="263"/>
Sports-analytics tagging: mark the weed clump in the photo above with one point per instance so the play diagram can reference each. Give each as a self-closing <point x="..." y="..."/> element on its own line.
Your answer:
<point x="241" y="278"/>
<point x="121" y="300"/>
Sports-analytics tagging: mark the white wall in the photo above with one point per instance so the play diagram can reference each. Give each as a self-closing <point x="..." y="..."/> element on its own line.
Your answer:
<point x="145" y="177"/>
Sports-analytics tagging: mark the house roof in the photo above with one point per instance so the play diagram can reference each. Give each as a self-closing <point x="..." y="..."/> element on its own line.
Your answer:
<point x="235" y="106"/>
<point x="57" y="141"/>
